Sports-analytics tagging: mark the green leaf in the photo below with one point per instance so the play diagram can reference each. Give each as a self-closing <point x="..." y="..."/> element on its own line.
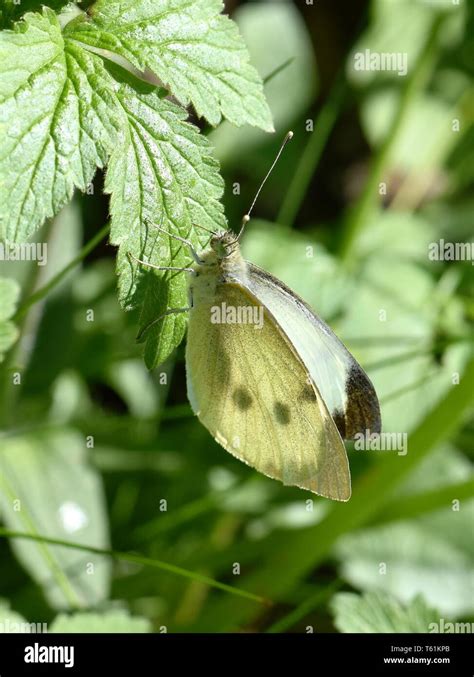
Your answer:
<point x="196" y="52"/>
<point x="118" y="620"/>
<point x="161" y="173"/>
<point x="275" y="33"/>
<point x="429" y="555"/>
<point x="427" y="127"/>
<point x="110" y="621"/>
<point x="378" y="612"/>
<point x="56" y="102"/>
<point x="47" y="487"/>
<point x="9" y="293"/>
<point x="66" y="115"/>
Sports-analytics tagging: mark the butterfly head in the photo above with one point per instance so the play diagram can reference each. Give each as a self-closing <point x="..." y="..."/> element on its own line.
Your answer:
<point x="224" y="244"/>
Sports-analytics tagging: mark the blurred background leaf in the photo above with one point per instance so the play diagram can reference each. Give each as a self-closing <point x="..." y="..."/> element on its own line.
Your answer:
<point x="379" y="612"/>
<point x="430" y="554"/>
<point x="110" y="621"/>
<point x="9" y="293"/>
<point x="47" y="488"/>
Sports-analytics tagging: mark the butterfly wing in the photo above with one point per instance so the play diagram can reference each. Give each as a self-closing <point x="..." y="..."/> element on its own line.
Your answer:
<point x="346" y="389"/>
<point x="251" y="390"/>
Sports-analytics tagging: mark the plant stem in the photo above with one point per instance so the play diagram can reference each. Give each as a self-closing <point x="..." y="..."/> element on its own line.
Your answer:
<point x="312" y="153"/>
<point x="6" y="404"/>
<point x="44" y="291"/>
<point x="7" y="399"/>
<point x="368" y="200"/>
<point x="142" y="561"/>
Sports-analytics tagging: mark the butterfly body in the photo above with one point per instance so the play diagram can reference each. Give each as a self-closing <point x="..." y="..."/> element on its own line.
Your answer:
<point x="268" y="378"/>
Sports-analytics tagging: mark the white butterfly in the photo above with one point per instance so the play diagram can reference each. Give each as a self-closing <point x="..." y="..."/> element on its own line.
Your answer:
<point x="267" y="377"/>
<point x="279" y="395"/>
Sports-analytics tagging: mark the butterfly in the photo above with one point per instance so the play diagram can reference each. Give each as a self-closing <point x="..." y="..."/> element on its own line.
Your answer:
<point x="267" y="377"/>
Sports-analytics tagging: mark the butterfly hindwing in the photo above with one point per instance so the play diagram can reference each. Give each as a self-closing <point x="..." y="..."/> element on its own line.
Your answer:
<point x="252" y="391"/>
<point x="346" y="389"/>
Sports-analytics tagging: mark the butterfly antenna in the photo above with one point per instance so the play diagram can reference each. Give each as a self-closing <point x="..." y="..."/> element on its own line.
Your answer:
<point x="246" y="218"/>
<point x="208" y="230"/>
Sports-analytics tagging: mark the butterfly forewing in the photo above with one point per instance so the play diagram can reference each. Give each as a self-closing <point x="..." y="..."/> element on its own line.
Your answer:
<point x="346" y="389"/>
<point x="252" y="391"/>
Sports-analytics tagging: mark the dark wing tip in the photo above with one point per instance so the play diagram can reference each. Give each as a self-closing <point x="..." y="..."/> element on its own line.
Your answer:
<point x="362" y="412"/>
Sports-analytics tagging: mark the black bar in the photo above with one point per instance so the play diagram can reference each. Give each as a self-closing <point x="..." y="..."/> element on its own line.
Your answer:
<point x="314" y="654"/>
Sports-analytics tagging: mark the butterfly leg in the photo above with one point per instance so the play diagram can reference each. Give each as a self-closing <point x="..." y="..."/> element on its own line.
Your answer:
<point x="152" y="265"/>
<point x="194" y="253"/>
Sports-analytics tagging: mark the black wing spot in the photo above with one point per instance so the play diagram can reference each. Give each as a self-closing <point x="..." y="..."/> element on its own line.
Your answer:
<point x="282" y="413"/>
<point x="242" y="398"/>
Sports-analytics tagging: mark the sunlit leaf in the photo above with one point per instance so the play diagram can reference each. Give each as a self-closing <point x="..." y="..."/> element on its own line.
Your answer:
<point x="60" y="119"/>
<point x="194" y="50"/>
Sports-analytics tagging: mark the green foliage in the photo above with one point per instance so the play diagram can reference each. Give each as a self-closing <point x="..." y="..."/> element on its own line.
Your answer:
<point x="429" y="555"/>
<point x="9" y="616"/>
<point x="193" y="50"/>
<point x="101" y="460"/>
<point x="9" y="293"/>
<point x="67" y="114"/>
<point x="57" y="104"/>
<point x="12" y="10"/>
<point x="286" y="60"/>
<point x="161" y="172"/>
<point x="110" y="621"/>
<point x="47" y="487"/>
<point x="377" y="612"/>
<point x="116" y="621"/>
